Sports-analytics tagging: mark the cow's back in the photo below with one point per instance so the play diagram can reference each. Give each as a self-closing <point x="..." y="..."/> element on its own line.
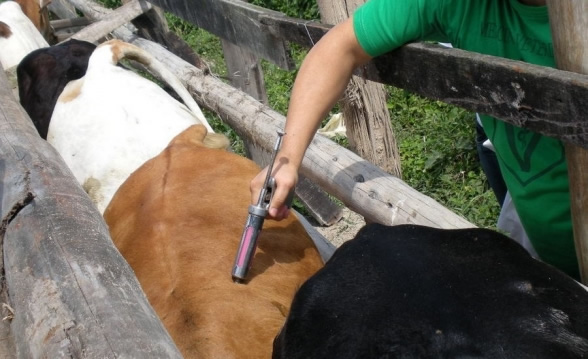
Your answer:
<point x="106" y="124"/>
<point x="417" y="292"/>
<point x="178" y="221"/>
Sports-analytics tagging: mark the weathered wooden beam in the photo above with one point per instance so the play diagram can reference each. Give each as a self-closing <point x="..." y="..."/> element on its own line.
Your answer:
<point x="363" y="106"/>
<point x="63" y="9"/>
<point x="361" y="186"/>
<point x="235" y="21"/>
<point x="114" y="20"/>
<point x="65" y="23"/>
<point x="244" y="70"/>
<point x="542" y="99"/>
<point x="147" y="16"/>
<point x="91" y="9"/>
<point x="73" y="294"/>
<point x="569" y="21"/>
<point x="318" y="202"/>
<point x="302" y="32"/>
<point x="545" y="100"/>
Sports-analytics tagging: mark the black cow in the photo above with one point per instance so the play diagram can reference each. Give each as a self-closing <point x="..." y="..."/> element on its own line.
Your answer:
<point x="417" y="292"/>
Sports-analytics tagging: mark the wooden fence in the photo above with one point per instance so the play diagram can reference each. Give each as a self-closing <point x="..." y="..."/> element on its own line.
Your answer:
<point x="549" y="101"/>
<point x="72" y="294"/>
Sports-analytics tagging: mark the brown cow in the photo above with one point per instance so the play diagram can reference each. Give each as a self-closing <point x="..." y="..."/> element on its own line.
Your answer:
<point x="178" y="221"/>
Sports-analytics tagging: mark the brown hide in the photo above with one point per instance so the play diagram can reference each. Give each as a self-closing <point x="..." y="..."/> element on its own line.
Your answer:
<point x="178" y="221"/>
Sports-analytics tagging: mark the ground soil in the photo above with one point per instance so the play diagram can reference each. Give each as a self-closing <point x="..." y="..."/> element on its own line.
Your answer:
<point x="342" y="231"/>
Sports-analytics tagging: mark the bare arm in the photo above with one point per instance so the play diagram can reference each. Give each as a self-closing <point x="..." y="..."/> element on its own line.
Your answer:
<point x="323" y="76"/>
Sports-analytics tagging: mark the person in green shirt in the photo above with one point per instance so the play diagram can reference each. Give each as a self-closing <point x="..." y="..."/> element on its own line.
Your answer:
<point x="533" y="166"/>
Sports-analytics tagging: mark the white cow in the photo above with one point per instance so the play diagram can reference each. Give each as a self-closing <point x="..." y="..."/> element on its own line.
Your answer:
<point x="18" y="35"/>
<point x="108" y="123"/>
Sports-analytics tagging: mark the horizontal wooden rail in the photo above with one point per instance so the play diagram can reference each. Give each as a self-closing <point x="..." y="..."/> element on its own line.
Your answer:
<point x="117" y="18"/>
<point x="235" y="21"/>
<point x="65" y="23"/>
<point x="546" y="100"/>
<point x="360" y="185"/>
<point x="549" y="101"/>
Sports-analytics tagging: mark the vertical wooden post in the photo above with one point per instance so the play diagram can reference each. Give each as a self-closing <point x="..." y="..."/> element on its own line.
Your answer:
<point x="569" y="26"/>
<point x="245" y="73"/>
<point x="364" y="105"/>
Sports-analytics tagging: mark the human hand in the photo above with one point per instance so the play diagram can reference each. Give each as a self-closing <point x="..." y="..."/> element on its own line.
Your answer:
<point x="285" y="178"/>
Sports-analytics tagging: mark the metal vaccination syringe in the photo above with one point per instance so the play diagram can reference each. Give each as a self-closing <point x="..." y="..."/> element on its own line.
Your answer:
<point x="254" y="223"/>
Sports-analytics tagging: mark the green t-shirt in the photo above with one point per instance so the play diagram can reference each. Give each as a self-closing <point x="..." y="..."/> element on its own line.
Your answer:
<point x="533" y="166"/>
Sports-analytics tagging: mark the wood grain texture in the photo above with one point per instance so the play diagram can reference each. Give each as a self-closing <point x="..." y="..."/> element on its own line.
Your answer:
<point x="235" y="21"/>
<point x="119" y="17"/>
<point x="72" y="293"/>
<point x="569" y="21"/>
<point x="363" y="104"/>
<point x="545" y="100"/>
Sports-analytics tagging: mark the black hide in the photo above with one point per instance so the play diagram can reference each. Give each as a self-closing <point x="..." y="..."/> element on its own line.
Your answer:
<point x="417" y="292"/>
<point x="43" y="74"/>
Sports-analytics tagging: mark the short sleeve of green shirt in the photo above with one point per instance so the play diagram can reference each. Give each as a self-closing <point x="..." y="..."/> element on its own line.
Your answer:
<point x="383" y="25"/>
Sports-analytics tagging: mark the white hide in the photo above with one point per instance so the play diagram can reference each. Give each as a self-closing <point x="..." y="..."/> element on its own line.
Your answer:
<point x="108" y="123"/>
<point x="24" y="37"/>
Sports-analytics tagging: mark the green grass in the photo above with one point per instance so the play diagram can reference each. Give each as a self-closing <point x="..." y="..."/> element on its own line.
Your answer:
<point x="436" y="140"/>
<point x="438" y="155"/>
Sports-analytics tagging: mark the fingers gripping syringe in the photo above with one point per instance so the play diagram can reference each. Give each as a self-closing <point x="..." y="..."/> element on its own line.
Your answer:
<point x="257" y="214"/>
